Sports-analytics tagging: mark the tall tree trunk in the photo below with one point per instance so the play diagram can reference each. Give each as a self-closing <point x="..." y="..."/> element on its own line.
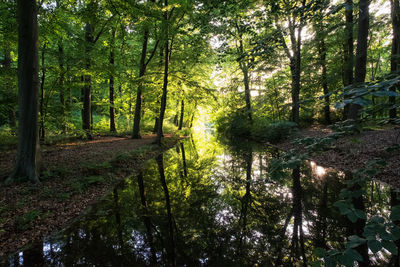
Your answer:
<point x="324" y="76"/>
<point x="182" y="113"/>
<point x="42" y="94"/>
<point x="176" y="122"/>
<point x="165" y="84"/>
<point x="87" y="89"/>
<point x="395" y="56"/>
<point x="246" y="81"/>
<point x="361" y="54"/>
<point x="61" y="84"/>
<point x="11" y="110"/>
<point x="348" y="50"/>
<point x="112" y="108"/>
<point x="348" y="45"/>
<point x="28" y="69"/>
<point x="142" y="71"/>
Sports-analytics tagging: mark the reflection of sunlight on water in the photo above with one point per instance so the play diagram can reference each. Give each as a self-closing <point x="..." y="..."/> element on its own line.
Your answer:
<point x="318" y="170"/>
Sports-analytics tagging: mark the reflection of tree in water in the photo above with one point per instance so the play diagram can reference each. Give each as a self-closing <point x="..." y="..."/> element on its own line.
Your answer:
<point x="194" y="208"/>
<point x="171" y="243"/>
<point x="146" y="218"/>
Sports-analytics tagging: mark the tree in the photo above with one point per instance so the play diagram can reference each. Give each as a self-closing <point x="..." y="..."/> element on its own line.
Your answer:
<point x="395" y="55"/>
<point x="28" y="67"/>
<point x="295" y="16"/>
<point x="361" y="54"/>
<point x="144" y="61"/>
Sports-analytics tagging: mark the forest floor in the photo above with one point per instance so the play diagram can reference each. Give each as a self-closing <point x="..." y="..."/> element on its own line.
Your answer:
<point x="74" y="176"/>
<point x="353" y="152"/>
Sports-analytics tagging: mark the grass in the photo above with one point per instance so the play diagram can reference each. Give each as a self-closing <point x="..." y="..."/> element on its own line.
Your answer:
<point x="24" y="221"/>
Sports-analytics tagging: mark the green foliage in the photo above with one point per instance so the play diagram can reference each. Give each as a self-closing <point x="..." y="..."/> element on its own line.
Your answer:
<point x="272" y="132"/>
<point x="237" y="125"/>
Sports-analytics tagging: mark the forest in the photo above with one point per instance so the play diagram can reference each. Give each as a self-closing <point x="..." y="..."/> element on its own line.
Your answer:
<point x="200" y="132"/>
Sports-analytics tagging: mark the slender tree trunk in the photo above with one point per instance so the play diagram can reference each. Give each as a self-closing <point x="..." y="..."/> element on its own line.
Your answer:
<point x="348" y="50"/>
<point x="182" y="113"/>
<point x="11" y="110"/>
<point x="28" y="69"/>
<point x="176" y="122"/>
<point x="246" y="81"/>
<point x="61" y="84"/>
<point x="42" y="94"/>
<point x="247" y="94"/>
<point x="348" y="45"/>
<point x="361" y="54"/>
<point x="324" y="76"/>
<point x="395" y="56"/>
<point x="87" y="89"/>
<point x="112" y="108"/>
<point x="165" y="84"/>
<point x="142" y="71"/>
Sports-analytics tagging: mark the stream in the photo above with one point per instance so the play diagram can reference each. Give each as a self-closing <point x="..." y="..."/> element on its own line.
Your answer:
<point x="203" y="203"/>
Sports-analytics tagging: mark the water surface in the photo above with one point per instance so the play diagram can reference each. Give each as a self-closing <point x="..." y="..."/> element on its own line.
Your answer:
<point x="206" y="204"/>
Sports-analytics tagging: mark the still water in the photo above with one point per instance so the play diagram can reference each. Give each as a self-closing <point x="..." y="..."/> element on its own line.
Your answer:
<point x="207" y="204"/>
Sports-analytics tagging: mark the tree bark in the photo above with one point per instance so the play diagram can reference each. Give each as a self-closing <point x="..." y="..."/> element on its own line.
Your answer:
<point x="165" y="84"/>
<point x="182" y="114"/>
<point x="61" y="84"/>
<point x="361" y="54"/>
<point x="142" y="71"/>
<point x="42" y="93"/>
<point x="246" y="81"/>
<point x="324" y="76"/>
<point x="112" y="108"/>
<point x="395" y="55"/>
<point x="87" y="89"/>
<point x="28" y="69"/>
<point x="348" y="45"/>
<point x="11" y="110"/>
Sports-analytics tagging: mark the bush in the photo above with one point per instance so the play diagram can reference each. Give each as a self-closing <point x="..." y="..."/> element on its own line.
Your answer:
<point x="274" y="132"/>
<point x="238" y="126"/>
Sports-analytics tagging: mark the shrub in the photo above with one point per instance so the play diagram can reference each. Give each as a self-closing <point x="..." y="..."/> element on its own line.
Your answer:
<point x="236" y="125"/>
<point x="274" y="132"/>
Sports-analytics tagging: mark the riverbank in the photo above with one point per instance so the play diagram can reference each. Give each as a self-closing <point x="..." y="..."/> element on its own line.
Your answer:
<point x="354" y="151"/>
<point x="74" y="176"/>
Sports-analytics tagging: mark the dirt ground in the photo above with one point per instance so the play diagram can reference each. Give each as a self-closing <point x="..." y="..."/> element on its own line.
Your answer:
<point x="352" y="152"/>
<point x="29" y="212"/>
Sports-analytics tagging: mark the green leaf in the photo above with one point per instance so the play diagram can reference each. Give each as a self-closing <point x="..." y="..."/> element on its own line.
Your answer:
<point x="361" y="214"/>
<point x="384" y="93"/>
<point x="390" y="246"/>
<point x="395" y="215"/>
<point x="316" y="264"/>
<point x="376" y="219"/>
<point x="355" y="241"/>
<point x="396" y="232"/>
<point x="374" y="245"/>
<point x="352" y="217"/>
<point x="319" y="252"/>
<point x="353" y="254"/>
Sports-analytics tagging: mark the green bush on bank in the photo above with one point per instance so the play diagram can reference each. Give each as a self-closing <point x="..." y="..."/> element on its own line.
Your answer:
<point x="237" y="125"/>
